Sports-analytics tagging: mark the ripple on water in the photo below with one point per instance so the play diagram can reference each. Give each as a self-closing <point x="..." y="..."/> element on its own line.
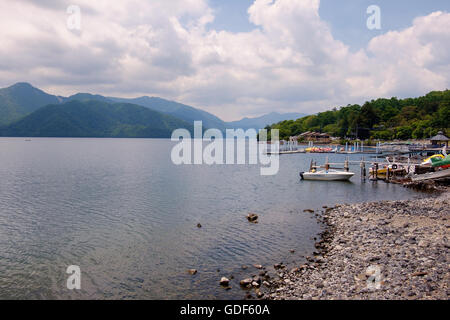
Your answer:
<point x="128" y="217"/>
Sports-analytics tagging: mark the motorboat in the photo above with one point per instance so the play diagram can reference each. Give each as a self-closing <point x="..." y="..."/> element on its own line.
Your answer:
<point x="392" y="167"/>
<point x="327" y="175"/>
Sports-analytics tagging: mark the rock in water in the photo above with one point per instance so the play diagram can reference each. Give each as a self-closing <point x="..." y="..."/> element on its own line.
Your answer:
<point x="246" y="282"/>
<point x="224" y="281"/>
<point x="279" y="266"/>
<point x="192" y="271"/>
<point x="252" y="217"/>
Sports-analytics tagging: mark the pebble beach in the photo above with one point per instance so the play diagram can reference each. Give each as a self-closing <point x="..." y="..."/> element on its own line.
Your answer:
<point x="378" y="250"/>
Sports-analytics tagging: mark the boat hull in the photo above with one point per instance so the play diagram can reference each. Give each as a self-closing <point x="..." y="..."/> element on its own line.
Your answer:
<point x="330" y="176"/>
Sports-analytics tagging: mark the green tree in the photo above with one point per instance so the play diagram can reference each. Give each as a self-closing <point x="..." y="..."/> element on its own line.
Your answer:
<point x="403" y="133"/>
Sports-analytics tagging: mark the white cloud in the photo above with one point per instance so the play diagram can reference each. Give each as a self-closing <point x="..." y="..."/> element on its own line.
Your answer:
<point x="405" y="63"/>
<point x="289" y="62"/>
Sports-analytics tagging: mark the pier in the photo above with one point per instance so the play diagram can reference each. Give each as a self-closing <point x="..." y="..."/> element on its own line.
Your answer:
<point x="292" y="147"/>
<point x="386" y="170"/>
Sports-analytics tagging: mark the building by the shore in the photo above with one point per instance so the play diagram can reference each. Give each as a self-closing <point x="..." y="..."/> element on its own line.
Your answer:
<point x="316" y="137"/>
<point x="440" y="140"/>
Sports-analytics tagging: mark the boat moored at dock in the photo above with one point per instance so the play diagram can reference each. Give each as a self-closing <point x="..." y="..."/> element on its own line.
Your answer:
<point x="327" y="175"/>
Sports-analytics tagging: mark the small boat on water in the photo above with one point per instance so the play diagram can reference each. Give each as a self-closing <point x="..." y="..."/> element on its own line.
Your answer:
<point x="441" y="163"/>
<point x="429" y="160"/>
<point x="382" y="172"/>
<point x="320" y="150"/>
<point x="327" y="175"/>
<point x="392" y="167"/>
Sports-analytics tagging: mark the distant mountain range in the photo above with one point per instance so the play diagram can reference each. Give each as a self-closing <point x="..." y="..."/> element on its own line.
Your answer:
<point x="95" y="119"/>
<point x="29" y="111"/>
<point x="265" y="120"/>
<point x="182" y="111"/>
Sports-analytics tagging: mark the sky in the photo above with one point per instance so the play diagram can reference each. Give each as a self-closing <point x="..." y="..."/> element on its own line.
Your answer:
<point x="233" y="58"/>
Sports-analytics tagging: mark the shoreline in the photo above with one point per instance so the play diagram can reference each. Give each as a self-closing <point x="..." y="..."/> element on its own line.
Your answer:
<point x="376" y="250"/>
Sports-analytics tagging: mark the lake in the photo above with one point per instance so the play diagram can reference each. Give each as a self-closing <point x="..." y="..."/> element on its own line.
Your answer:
<point x="120" y="210"/>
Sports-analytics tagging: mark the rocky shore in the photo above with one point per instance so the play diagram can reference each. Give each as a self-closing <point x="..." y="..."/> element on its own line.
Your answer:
<point x="378" y="250"/>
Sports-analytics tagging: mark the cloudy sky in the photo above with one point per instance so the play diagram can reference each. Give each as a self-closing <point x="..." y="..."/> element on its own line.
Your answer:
<point x="233" y="58"/>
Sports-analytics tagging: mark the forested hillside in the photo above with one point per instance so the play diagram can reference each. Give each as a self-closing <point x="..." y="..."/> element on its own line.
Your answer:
<point x="95" y="119"/>
<point x="384" y="119"/>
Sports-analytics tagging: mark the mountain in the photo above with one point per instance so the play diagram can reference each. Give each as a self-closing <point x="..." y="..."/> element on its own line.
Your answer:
<point x="176" y="109"/>
<point x="263" y="121"/>
<point x="20" y="99"/>
<point x="95" y="119"/>
<point x="86" y="97"/>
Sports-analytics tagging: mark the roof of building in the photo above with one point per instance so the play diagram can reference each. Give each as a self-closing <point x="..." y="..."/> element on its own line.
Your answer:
<point x="312" y="133"/>
<point x="440" y="137"/>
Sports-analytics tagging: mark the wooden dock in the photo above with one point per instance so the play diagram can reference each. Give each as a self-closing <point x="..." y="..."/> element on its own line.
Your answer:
<point x="431" y="176"/>
<point x="286" y="152"/>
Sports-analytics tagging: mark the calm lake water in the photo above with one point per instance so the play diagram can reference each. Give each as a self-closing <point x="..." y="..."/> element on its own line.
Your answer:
<point x="120" y="210"/>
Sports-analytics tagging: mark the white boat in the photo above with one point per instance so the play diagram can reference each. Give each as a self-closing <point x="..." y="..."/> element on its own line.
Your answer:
<point x="327" y="175"/>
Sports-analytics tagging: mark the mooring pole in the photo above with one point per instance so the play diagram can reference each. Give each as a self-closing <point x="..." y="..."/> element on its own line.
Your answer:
<point x="361" y="166"/>
<point x="364" y="168"/>
<point x="376" y="170"/>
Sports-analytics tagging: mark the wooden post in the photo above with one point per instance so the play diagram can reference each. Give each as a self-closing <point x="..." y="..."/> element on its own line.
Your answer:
<point x="376" y="171"/>
<point x="363" y="169"/>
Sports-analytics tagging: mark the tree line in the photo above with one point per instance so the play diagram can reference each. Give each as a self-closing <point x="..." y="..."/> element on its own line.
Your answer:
<point x="383" y="119"/>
